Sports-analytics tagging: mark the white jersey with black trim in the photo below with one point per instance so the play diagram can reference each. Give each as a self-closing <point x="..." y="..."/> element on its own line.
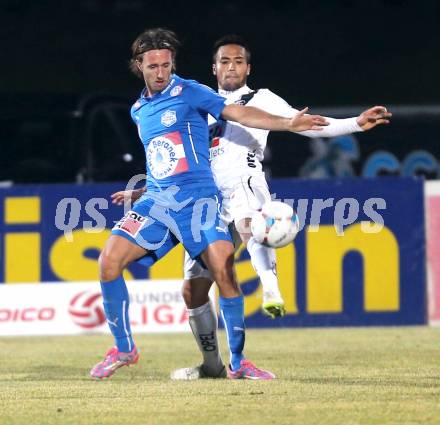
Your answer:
<point x="237" y="150"/>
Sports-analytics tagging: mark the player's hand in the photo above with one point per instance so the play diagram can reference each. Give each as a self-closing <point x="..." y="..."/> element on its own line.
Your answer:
<point x="303" y="122"/>
<point x="120" y="197"/>
<point x="374" y="116"/>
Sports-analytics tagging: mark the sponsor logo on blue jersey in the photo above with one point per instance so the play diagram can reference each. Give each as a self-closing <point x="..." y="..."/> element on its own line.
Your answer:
<point x="175" y="91"/>
<point x="168" y="118"/>
<point x="166" y="156"/>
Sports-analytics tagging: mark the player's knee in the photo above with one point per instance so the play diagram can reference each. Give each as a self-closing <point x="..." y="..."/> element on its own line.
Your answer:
<point x="225" y="279"/>
<point x="186" y="293"/>
<point x="223" y="270"/>
<point x="195" y="291"/>
<point x="243" y="227"/>
<point x="245" y="237"/>
<point x="110" y="267"/>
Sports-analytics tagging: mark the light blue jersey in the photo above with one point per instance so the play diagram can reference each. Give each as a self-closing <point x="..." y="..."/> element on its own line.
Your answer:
<point x="172" y="125"/>
<point x="182" y="202"/>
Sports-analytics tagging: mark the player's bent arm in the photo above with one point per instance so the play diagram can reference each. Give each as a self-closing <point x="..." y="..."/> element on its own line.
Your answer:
<point x="254" y="117"/>
<point x="250" y="116"/>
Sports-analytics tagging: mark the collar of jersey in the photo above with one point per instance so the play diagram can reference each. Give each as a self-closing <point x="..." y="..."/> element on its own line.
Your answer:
<point x="235" y="93"/>
<point x="143" y="97"/>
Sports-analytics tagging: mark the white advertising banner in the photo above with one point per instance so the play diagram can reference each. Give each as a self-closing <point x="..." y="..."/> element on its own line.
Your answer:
<point x="76" y="308"/>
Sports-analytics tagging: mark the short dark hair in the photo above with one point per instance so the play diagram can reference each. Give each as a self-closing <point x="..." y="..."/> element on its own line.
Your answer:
<point x="152" y="39"/>
<point x="231" y="39"/>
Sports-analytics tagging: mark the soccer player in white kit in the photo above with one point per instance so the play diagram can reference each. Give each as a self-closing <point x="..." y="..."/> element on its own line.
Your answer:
<point x="236" y="153"/>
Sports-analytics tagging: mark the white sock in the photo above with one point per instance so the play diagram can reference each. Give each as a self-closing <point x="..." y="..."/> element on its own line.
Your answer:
<point x="263" y="260"/>
<point x="203" y="322"/>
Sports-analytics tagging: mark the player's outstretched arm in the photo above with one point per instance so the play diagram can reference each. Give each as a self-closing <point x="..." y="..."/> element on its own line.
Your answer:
<point x="302" y="122"/>
<point x="376" y="115"/>
<point x="257" y="118"/>
<point x="120" y="197"/>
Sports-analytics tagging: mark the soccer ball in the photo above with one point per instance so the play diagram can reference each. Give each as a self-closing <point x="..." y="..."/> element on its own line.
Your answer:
<point x="275" y="225"/>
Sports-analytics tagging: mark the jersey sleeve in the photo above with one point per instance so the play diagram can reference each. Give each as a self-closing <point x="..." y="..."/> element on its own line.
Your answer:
<point x="203" y="98"/>
<point x="274" y="104"/>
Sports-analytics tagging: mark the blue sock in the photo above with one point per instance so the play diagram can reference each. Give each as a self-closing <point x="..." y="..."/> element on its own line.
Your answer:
<point x="116" y="302"/>
<point x="232" y="312"/>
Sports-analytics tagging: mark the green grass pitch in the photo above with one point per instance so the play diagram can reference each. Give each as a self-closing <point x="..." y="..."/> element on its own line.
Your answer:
<point x="329" y="376"/>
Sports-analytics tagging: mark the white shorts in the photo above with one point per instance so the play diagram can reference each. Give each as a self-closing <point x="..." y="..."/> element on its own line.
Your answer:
<point x="245" y="196"/>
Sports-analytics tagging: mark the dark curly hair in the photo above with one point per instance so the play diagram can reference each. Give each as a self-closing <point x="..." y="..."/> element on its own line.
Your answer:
<point x="231" y="39"/>
<point x="152" y="39"/>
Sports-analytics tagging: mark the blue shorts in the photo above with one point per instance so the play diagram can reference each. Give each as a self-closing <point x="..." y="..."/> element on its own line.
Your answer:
<point x="158" y="221"/>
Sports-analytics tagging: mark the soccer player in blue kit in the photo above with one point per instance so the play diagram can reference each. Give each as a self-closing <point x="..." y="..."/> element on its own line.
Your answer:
<point x="182" y="202"/>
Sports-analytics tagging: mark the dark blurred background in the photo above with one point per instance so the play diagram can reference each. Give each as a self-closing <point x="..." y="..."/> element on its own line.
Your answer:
<point x="65" y="88"/>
